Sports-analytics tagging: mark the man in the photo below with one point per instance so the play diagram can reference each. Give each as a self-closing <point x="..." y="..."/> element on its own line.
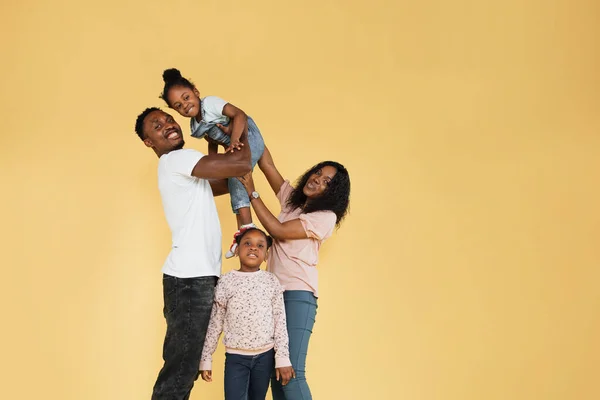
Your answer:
<point x="187" y="180"/>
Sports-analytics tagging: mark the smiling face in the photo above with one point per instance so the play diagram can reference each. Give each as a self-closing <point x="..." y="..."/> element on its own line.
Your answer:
<point x="318" y="182"/>
<point x="252" y="249"/>
<point x="184" y="100"/>
<point x="162" y="133"/>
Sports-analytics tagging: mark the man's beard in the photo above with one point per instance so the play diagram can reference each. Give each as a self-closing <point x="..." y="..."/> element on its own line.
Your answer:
<point x="179" y="146"/>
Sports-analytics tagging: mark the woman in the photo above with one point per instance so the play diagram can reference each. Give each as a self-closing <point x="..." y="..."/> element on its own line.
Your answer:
<point x="309" y="214"/>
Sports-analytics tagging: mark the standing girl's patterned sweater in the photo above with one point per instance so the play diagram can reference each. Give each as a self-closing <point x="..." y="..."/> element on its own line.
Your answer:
<point x="249" y="309"/>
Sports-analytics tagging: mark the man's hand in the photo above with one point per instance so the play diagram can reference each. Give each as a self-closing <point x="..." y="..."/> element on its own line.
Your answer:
<point x="206" y="376"/>
<point x="285" y="373"/>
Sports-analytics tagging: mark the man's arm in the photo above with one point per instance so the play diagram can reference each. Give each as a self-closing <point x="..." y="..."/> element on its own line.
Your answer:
<point x="213" y="148"/>
<point x="232" y="164"/>
<point x="219" y="186"/>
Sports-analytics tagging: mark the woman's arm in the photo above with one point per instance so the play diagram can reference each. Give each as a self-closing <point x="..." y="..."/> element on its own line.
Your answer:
<point x="281" y="231"/>
<point x="267" y="166"/>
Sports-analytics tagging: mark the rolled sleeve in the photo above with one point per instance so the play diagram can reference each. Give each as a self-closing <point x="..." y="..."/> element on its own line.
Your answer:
<point x="318" y="225"/>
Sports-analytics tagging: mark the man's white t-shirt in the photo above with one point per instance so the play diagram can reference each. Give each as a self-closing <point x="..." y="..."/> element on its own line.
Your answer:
<point x="192" y="216"/>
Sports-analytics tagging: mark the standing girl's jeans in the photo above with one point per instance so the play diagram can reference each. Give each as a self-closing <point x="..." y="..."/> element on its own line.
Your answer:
<point x="188" y="304"/>
<point x="237" y="192"/>
<point x="247" y="377"/>
<point x="300" y="310"/>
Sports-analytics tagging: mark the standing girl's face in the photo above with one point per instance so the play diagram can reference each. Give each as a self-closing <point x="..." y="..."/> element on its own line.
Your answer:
<point x="184" y="100"/>
<point x="252" y="249"/>
<point x="318" y="182"/>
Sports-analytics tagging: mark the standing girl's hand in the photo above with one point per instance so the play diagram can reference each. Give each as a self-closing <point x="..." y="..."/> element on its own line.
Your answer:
<point x="248" y="182"/>
<point x="285" y="373"/>
<point x="206" y="376"/>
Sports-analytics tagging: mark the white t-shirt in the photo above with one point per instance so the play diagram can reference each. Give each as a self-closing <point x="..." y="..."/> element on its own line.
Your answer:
<point x="212" y="111"/>
<point x="192" y="216"/>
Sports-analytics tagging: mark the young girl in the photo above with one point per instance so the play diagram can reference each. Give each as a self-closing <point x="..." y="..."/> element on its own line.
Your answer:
<point x="249" y="308"/>
<point x="207" y="116"/>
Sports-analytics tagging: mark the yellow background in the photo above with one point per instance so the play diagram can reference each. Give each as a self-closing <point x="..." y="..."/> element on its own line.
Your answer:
<point x="468" y="267"/>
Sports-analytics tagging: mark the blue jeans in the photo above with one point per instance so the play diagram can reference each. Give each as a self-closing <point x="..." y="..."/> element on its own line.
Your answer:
<point x="237" y="192"/>
<point x="247" y="377"/>
<point x="187" y="307"/>
<point x="300" y="310"/>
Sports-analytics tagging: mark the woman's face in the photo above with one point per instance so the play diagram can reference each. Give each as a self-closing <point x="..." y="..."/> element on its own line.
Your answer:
<point x="318" y="182"/>
<point x="184" y="100"/>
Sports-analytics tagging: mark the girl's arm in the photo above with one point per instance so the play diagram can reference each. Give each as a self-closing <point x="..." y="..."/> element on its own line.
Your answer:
<point x="267" y="166"/>
<point x="239" y="121"/>
<point x="215" y="327"/>
<point x="282" y="231"/>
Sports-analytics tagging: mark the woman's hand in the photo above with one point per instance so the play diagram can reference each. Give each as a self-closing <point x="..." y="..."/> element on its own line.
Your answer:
<point x="248" y="182"/>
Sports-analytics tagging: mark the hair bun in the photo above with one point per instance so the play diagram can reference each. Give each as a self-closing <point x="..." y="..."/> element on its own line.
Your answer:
<point x="171" y="74"/>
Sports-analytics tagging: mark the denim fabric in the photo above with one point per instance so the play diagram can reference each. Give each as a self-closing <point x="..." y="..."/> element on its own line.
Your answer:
<point x="187" y="307"/>
<point x="247" y="377"/>
<point x="237" y="192"/>
<point x="301" y="311"/>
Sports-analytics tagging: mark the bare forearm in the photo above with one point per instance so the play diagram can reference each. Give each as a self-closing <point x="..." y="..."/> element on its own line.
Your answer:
<point x="219" y="186"/>
<point x="238" y="126"/>
<point x="242" y="156"/>
<point x="288" y="230"/>
<point x="240" y="161"/>
<point x="267" y="219"/>
<point x="232" y="164"/>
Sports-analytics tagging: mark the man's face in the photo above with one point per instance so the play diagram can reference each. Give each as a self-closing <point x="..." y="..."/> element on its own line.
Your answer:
<point x="162" y="132"/>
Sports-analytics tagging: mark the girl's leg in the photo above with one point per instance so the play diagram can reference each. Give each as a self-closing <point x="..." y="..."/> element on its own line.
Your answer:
<point x="262" y="367"/>
<point x="256" y="142"/>
<point x="240" y="204"/>
<point x="238" y="196"/>
<point x="301" y="310"/>
<point x="237" y="376"/>
<point x="244" y="216"/>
